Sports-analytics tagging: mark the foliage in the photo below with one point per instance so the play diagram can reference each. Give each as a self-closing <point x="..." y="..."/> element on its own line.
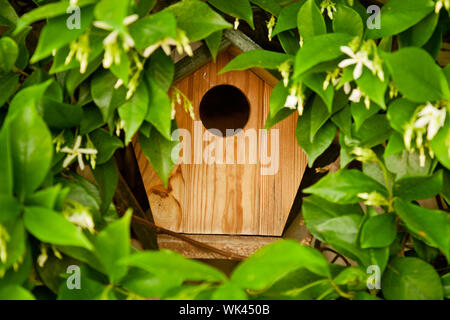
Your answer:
<point x="378" y="92"/>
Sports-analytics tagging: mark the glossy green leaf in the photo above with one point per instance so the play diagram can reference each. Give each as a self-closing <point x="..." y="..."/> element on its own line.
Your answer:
<point x="57" y="34"/>
<point x="8" y="54"/>
<point x="8" y="84"/>
<point x="441" y="144"/>
<point x="397" y="16"/>
<point x="310" y="21"/>
<point x="15" y="292"/>
<point x="168" y="263"/>
<point x="319" y="49"/>
<point x="158" y="151"/>
<point x="288" y="18"/>
<point x="274" y="261"/>
<point x="213" y="42"/>
<point x="256" y="58"/>
<point x="159" y="108"/>
<point x="344" y="186"/>
<point x="378" y="231"/>
<point x="411" y="279"/>
<point x="113" y="244"/>
<point x="133" y="111"/>
<point x="421" y="81"/>
<point x="417" y="188"/>
<point x="271" y="6"/>
<point x="419" y="34"/>
<point x="61" y="115"/>
<point x="197" y="19"/>
<point x="112" y="12"/>
<point x="152" y="29"/>
<point x="106" y="176"/>
<point x="49" y="226"/>
<point x="105" y="143"/>
<point x="229" y="291"/>
<point x="239" y="9"/>
<point x="31" y="150"/>
<point x="430" y="226"/>
<point x="347" y="20"/>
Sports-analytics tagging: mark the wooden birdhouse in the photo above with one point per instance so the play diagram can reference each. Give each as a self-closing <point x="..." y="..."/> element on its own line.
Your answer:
<point x="232" y="189"/>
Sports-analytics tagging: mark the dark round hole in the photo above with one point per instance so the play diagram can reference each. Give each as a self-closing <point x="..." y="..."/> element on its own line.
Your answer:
<point x="224" y="107"/>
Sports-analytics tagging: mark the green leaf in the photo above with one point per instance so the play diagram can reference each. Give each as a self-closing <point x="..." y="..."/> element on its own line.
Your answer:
<point x="6" y="166"/>
<point x="15" y="292"/>
<point x="256" y="58"/>
<point x="441" y="144"/>
<point x="373" y="131"/>
<point x="278" y="98"/>
<point x="347" y="20"/>
<point x="105" y="144"/>
<point x="344" y="186"/>
<point x="147" y="284"/>
<point x="354" y="278"/>
<point x="430" y="226"/>
<point x="446" y="284"/>
<point x="113" y="244"/>
<point x="74" y="78"/>
<point x="45" y="198"/>
<point x="417" y="188"/>
<point x="112" y="12"/>
<point x="421" y="81"/>
<point x="400" y="112"/>
<point x="274" y="261"/>
<point x="397" y="16"/>
<point x="319" y="116"/>
<point x="240" y="9"/>
<point x="289" y="42"/>
<point x="360" y="113"/>
<point x="8" y="84"/>
<point x="46" y="12"/>
<point x="166" y="263"/>
<point x="315" y="82"/>
<point x="395" y="145"/>
<point x="56" y="33"/>
<point x="288" y="18"/>
<point x="158" y="151"/>
<point x="319" y="49"/>
<point x="133" y="111"/>
<point x="161" y="68"/>
<point x="271" y="6"/>
<point x="316" y="210"/>
<point x="159" y="108"/>
<point x="152" y="29"/>
<point x="213" y="42"/>
<point x="342" y="234"/>
<point x="106" y="176"/>
<point x="419" y="34"/>
<point x="229" y="291"/>
<point x="316" y="145"/>
<point x="92" y="119"/>
<point x="49" y="226"/>
<point x="105" y="96"/>
<point x="378" y="231"/>
<point x="16" y="244"/>
<point x="31" y="150"/>
<point x="411" y="279"/>
<point x="143" y="7"/>
<point x="11" y="208"/>
<point x="8" y="16"/>
<point x="407" y="163"/>
<point x="375" y="89"/>
<point x="61" y="115"/>
<point x="310" y="21"/>
<point x="197" y="19"/>
<point x="8" y="54"/>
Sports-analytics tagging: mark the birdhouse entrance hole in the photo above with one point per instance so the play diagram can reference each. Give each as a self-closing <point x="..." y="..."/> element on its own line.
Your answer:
<point x="224" y="107"/>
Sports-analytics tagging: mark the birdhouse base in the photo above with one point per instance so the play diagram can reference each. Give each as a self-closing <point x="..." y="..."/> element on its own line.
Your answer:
<point x="237" y="245"/>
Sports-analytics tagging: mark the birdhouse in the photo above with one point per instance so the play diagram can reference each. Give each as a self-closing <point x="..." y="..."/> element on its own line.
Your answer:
<point x="235" y="182"/>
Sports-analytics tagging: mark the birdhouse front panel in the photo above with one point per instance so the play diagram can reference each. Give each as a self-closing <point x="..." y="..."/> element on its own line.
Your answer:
<point x="238" y="182"/>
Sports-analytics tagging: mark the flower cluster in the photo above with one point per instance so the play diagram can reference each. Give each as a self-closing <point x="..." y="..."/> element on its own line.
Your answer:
<point x="330" y="6"/>
<point x="295" y="99"/>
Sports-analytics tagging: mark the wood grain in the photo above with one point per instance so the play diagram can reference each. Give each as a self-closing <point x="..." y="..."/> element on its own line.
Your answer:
<point x="242" y="245"/>
<point x="228" y="198"/>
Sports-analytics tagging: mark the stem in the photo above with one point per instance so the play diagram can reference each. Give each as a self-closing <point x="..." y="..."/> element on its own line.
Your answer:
<point x="341" y="293"/>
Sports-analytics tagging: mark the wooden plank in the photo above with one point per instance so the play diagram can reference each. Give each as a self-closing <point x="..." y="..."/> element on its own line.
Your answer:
<point x="240" y="245"/>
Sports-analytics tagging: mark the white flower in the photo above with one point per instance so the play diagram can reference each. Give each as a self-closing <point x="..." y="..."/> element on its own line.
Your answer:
<point x="330" y="6"/>
<point x="432" y="118"/>
<point x="82" y="219"/>
<point x="356" y="97"/>
<point x="291" y="102"/>
<point x="76" y="152"/>
<point x="236" y="24"/>
<point x="270" y="25"/>
<point x="440" y="4"/>
<point x="347" y="87"/>
<point x="360" y="59"/>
